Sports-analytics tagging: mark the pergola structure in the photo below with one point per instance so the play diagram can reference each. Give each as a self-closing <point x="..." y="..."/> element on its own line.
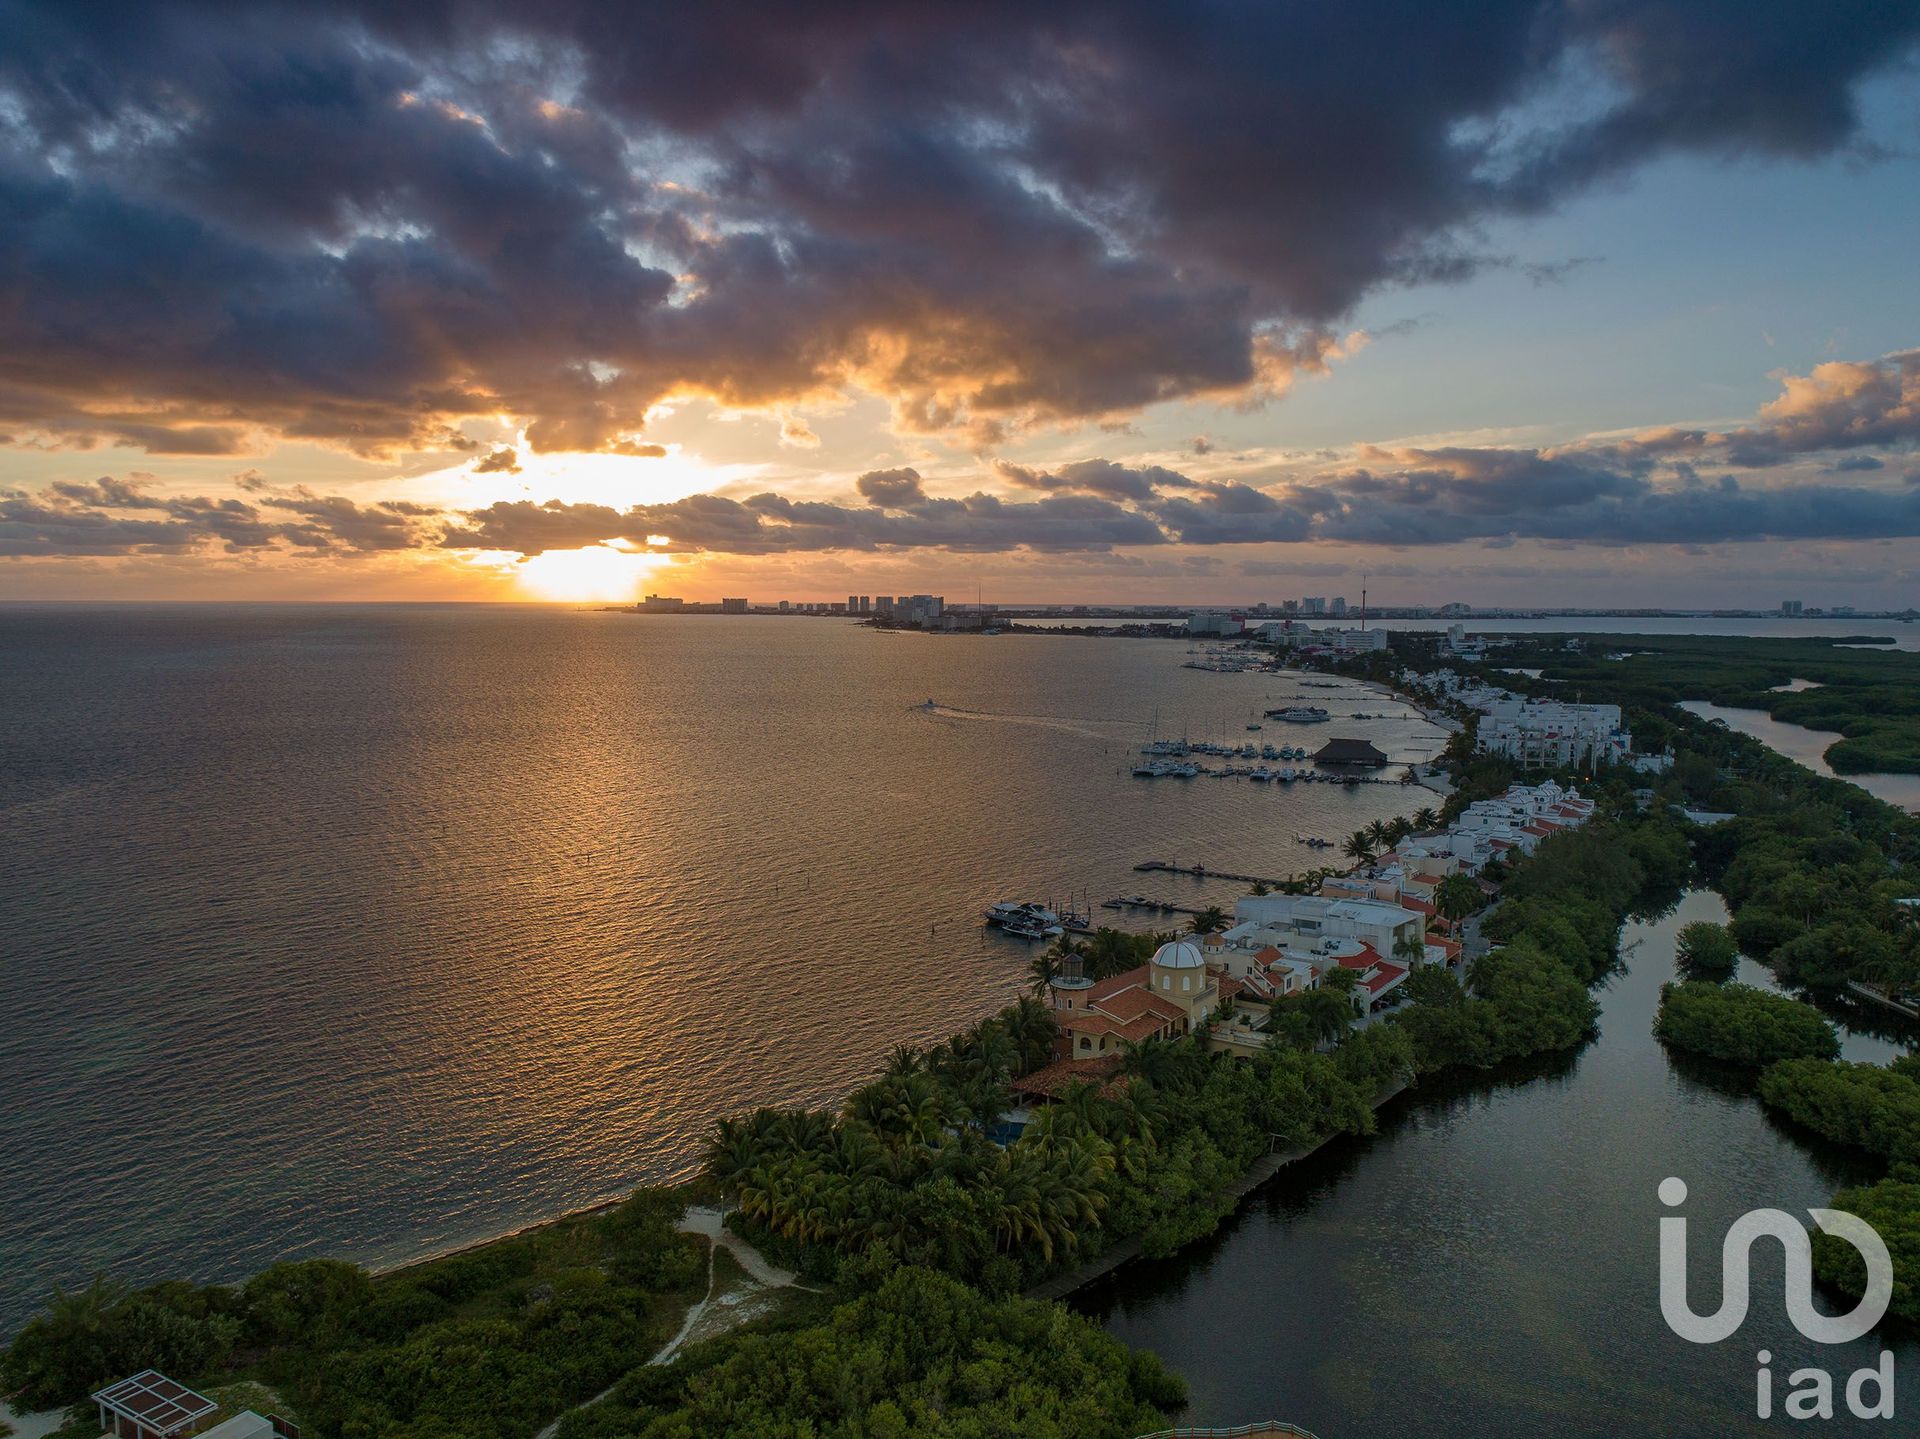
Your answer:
<point x="152" y="1406"/>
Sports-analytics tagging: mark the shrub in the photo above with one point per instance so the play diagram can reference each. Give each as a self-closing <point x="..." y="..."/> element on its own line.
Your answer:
<point x="1742" y="1025"/>
<point x="1706" y="951"/>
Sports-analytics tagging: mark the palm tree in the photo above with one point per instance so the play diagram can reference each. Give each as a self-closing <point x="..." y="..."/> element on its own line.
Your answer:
<point x="1359" y="847"/>
<point x="732" y="1151"/>
<point x="1210" y="920"/>
<point x="1329" y="1012"/>
<point x="1110" y="952"/>
<point x="1426" y="819"/>
<point x="1456" y="897"/>
<point x="1030" y="1025"/>
<point x="1380" y="834"/>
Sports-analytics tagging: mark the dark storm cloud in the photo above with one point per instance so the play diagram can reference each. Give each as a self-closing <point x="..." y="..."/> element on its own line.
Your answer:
<point x="360" y="224"/>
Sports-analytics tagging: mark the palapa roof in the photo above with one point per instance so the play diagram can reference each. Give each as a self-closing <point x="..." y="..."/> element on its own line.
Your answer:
<point x="1350" y="751"/>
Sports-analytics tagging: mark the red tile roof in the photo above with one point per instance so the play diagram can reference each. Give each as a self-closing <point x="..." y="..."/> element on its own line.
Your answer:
<point x="1054" y="1079"/>
<point x="1132" y="1003"/>
<point x="1114" y="983"/>
<point x="1389" y="973"/>
<point x="1134" y="1029"/>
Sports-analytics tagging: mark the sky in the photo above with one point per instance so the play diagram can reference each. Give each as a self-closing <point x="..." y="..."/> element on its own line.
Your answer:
<point x="1596" y="302"/>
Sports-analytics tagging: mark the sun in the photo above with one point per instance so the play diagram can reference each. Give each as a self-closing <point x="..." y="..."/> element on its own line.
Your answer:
<point x="598" y="572"/>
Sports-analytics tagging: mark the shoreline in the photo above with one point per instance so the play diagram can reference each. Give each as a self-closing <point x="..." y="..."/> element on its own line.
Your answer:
<point x="1258" y="1173"/>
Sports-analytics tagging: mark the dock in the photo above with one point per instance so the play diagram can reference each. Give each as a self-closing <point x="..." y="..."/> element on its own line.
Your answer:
<point x="1160" y="906"/>
<point x="1200" y="871"/>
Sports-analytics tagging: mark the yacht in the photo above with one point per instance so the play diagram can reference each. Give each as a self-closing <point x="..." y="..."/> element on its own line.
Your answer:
<point x="1015" y="915"/>
<point x="1300" y="714"/>
<point x="1260" y="774"/>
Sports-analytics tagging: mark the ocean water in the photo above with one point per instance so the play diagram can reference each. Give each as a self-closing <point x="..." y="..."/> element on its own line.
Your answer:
<point x="371" y="931"/>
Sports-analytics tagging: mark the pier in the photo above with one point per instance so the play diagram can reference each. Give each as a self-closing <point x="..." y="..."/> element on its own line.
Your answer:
<point x="1200" y="871"/>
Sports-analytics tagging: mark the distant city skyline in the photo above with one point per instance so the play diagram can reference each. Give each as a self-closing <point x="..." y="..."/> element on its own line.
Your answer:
<point x="1539" y="305"/>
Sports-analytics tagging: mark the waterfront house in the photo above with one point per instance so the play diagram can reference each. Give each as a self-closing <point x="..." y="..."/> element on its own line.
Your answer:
<point x="1170" y="995"/>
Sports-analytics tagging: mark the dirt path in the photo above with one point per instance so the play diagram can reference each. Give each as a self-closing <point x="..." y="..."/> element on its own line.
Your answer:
<point x="725" y="1305"/>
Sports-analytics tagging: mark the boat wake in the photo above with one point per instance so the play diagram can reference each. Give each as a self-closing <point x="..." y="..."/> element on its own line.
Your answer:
<point x="1071" y="724"/>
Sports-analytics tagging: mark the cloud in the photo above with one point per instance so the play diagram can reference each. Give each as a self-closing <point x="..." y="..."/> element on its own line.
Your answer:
<point x="500" y="462"/>
<point x="362" y="225"/>
<point x="892" y="489"/>
<point x="1839" y="405"/>
<point x="797" y="434"/>
<point x="1649" y="489"/>
<point x="110" y="517"/>
<point x="1094" y="477"/>
<point x="775" y="524"/>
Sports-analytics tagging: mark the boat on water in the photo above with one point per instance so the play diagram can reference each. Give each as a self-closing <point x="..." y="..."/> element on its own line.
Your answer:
<point x="1260" y="774"/>
<point x="1313" y="841"/>
<point x="1300" y="714"/>
<point x="1024" y="919"/>
<point x="1255" y="724"/>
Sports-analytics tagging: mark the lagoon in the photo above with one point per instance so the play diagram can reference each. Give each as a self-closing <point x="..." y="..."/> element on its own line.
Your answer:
<point x="1486" y="1264"/>
<point x="1808" y="747"/>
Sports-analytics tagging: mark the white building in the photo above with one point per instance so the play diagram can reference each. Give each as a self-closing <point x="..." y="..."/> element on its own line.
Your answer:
<point x="1351" y="641"/>
<point x="1550" y="734"/>
<point x="1214" y="623"/>
<point x="1301" y="921"/>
